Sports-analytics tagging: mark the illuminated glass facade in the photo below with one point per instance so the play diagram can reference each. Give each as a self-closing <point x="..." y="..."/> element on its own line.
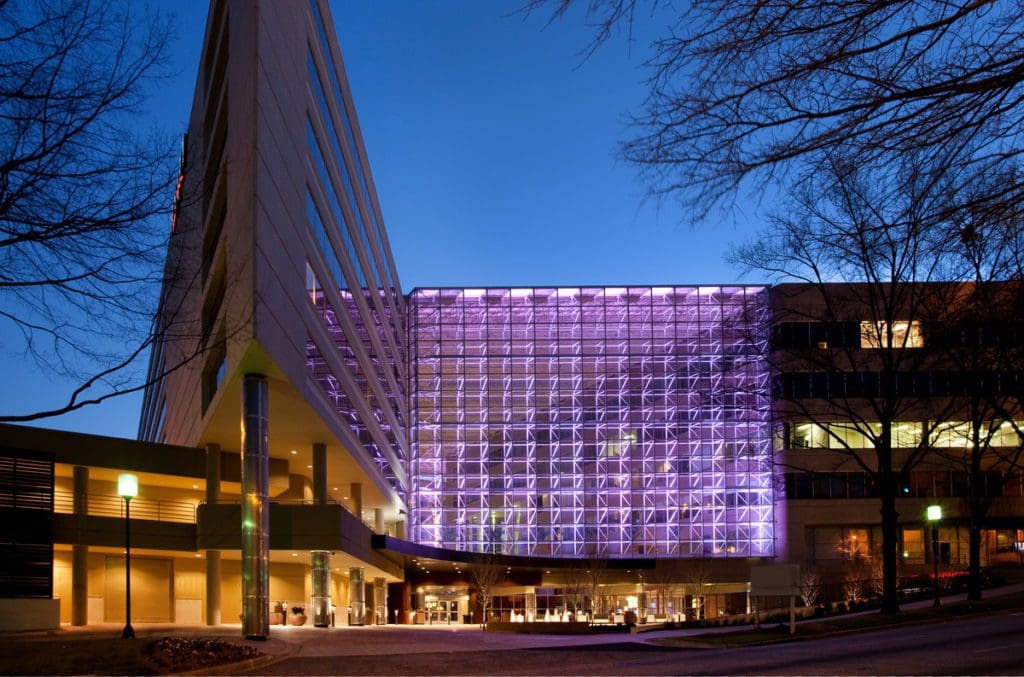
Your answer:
<point x="615" y="422"/>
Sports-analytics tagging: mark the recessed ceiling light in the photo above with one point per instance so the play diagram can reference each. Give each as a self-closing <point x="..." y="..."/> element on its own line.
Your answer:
<point x="295" y="554"/>
<point x="195" y="486"/>
<point x="294" y="452"/>
<point x="309" y="466"/>
<point x="198" y="555"/>
<point x="335" y="489"/>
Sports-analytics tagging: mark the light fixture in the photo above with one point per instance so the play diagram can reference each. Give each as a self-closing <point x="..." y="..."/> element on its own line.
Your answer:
<point x="127" y="488"/>
<point x="295" y="554"/>
<point x="294" y="452"/>
<point x="195" y="486"/>
<point x="933" y="513"/>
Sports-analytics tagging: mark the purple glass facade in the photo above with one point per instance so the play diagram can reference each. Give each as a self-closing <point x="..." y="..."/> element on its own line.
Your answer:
<point x="613" y="422"/>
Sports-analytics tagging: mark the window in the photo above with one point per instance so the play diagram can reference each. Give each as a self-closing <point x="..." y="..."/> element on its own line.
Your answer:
<point x="897" y="335"/>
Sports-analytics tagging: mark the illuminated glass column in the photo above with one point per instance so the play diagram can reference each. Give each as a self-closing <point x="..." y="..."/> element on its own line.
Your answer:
<point x="255" y="511"/>
<point x="356" y="596"/>
<point x="212" y="556"/>
<point x="321" y="584"/>
<point x="531" y="605"/>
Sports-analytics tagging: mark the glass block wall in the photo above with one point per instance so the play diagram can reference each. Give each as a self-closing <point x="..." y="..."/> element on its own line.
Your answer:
<point x="591" y="421"/>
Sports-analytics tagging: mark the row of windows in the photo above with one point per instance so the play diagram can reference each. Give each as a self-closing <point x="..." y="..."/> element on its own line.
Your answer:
<point x="360" y="172"/>
<point x="855" y="384"/>
<point x="946" y="435"/>
<point x="921" y="484"/>
<point x="796" y="335"/>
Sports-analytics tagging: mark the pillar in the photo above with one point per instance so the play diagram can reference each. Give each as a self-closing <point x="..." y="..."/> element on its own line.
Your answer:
<point x="380" y="601"/>
<point x="400" y="530"/>
<point x="320" y="474"/>
<point x="255" y="509"/>
<point x="356" y="596"/>
<point x="356" y="492"/>
<point x="321" y="584"/>
<point x="212" y="556"/>
<point x="378" y="520"/>
<point x="79" y="550"/>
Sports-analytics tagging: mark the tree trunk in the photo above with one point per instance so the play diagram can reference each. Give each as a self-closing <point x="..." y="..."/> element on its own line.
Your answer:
<point x="974" y="563"/>
<point x="890" y="541"/>
<point x="890" y="529"/>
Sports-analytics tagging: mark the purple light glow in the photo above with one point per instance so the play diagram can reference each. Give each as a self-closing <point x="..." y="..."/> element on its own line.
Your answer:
<point x="591" y="421"/>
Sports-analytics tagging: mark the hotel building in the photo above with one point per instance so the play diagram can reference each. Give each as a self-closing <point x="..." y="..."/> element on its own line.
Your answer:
<point x="392" y="444"/>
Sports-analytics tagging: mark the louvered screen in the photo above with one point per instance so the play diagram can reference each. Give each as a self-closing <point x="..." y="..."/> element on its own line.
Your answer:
<point x="26" y="524"/>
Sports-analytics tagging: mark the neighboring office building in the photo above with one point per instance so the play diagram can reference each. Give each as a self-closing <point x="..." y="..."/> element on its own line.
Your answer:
<point x="626" y="429"/>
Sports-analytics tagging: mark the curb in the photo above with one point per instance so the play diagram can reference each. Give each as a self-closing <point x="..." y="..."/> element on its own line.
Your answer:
<point x="788" y="639"/>
<point x="249" y="663"/>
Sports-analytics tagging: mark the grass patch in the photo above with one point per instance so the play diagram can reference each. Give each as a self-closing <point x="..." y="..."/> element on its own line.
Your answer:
<point x="870" y="621"/>
<point x="115" y="656"/>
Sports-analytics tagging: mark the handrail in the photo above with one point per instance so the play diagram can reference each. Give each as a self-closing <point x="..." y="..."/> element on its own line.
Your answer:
<point x="105" y="505"/>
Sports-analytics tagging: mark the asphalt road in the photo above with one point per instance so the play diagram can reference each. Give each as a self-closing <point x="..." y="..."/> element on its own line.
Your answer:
<point x="981" y="646"/>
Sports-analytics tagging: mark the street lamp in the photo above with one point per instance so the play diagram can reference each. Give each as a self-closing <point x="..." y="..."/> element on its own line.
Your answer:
<point x="934" y="516"/>
<point x="128" y="488"/>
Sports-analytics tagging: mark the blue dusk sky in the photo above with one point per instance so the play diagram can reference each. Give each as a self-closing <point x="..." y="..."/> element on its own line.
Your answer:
<point x="493" y="145"/>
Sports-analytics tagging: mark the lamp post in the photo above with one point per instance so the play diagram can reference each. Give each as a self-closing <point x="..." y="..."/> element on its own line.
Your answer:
<point x="128" y="488"/>
<point x="934" y="515"/>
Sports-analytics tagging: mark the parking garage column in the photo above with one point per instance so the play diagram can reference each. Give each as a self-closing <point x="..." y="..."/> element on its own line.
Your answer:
<point x="80" y="550"/>
<point x="255" y="509"/>
<point x="212" y="556"/>
<point x="319" y="474"/>
<point x="380" y="601"/>
<point x="356" y="596"/>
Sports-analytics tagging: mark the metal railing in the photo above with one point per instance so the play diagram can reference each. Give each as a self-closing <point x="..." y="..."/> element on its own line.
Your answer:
<point x="102" y="505"/>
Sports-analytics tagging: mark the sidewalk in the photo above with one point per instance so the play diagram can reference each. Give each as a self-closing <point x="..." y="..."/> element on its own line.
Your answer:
<point x="37" y="653"/>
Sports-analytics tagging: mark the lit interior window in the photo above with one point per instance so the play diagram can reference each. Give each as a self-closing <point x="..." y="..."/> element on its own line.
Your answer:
<point x="904" y="335"/>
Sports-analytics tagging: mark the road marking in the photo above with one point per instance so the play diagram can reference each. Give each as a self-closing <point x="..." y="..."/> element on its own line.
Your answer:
<point x="1000" y="648"/>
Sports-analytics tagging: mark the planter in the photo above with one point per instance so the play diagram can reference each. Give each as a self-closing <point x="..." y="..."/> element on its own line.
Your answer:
<point x="297" y="619"/>
<point x="276" y="618"/>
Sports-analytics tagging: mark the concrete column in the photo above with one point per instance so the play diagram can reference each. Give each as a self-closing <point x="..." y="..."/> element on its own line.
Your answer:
<point x="320" y="474"/>
<point x="321" y="584"/>
<point x="212" y="556"/>
<point x="213" y="587"/>
<point x="255" y="508"/>
<point x="356" y="596"/>
<point x="212" y="473"/>
<point x="356" y="492"/>
<point x="79" y="550"/>
<point x="378" y="520"/>
<point x="380" y="601"/>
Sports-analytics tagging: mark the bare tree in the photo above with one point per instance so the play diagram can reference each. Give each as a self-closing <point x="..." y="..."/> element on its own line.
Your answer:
<point x="810" y="585"/>
<point x="85" y="194"/>
<point x="855" y="380"/>
<point x="748" y="89"/>
<point x="575" y="587"/>
<point x="697" y="575"/>
<point x="486" y="576"/>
